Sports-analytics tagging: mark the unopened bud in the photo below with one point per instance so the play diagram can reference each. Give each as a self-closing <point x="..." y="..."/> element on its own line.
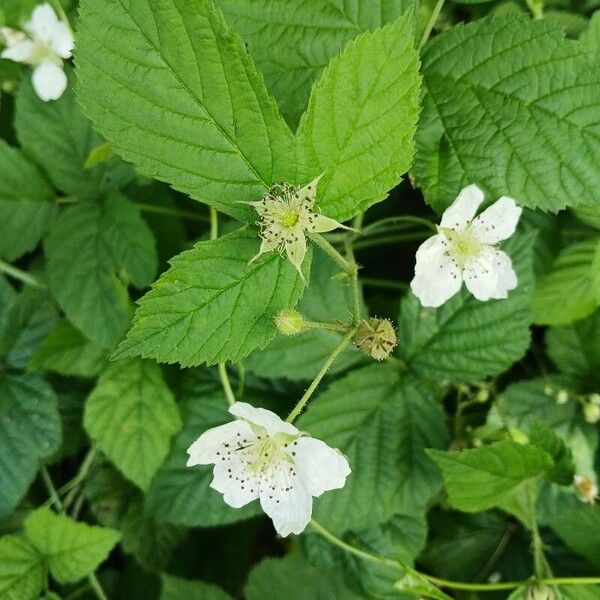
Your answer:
<point x="540" y="591"/>
<point x="290" y="322"/>
<point x="586" y="488"/>
<point x="591" y="412"/>
<point x="548" y="390"/>
<point x="518" y="436"/>
<point x="482" y="395"/>
<point x="595" y="399"/>
<point x="375" y="338"/>
<point x="562" y="397"/>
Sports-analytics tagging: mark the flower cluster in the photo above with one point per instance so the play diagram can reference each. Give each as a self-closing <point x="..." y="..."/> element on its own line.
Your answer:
<point x="259" y="456"/>
<point x="44" y="43"/>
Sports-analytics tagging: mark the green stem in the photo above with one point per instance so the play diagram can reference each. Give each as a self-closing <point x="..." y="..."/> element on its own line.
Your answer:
<point x="315" y="382"/>
<point x="60" y="11"/>
<point x="172" y="212"/>
<point x="78" y="592"/>
<point x="214" y="224"/>
<point x="226" y="384"/>
<point x="51" y="489"/>
<point x="95" y="584"/>
<point x="75" y="483"/>
<point x="22" y="276"/>
<point x="402" y="219"/>
<point x="384" y="284"/>
<point x="431" y="23"/>
<point x="456" y="585"/>
<point x="350" y="268"/>
<point x="328" y="326"/>
<point x="354" y="287"/>
<point x="390" y="239"/>
<point x="539" y="561"/>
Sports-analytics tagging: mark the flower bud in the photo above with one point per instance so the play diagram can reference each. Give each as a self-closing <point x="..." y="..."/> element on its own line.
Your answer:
<point x="562" y="397"/>
<point x="586" y="488"/>
<point x="548" y="390"/>
<point x="591" y="412"/>
<point x="290" y="322"/>
<point x="375" y="337"/>
<point x="482" y="395"/>
<point x="595" y="399"/>
<point x="540" y="591"/>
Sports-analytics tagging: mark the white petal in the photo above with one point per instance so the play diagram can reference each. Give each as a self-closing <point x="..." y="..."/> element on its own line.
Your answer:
<point x="20" y="52"/>
<point x="320" y="467"/>
<point x="498" y="221"/>
<point x="265" y="246"/>
<point x="322" y="224"/>
<point x="490" y="275"/>
<point x="209" y="447"/>
<point x="235" y="481"/>
<point x="42" y="23"/>
<point x="49" y="81"/>
<point x="262" y="417"/>
<point x="308" y="193"/>
<point x="296" y="251"/>
<point x="463" y="209"/>
<point x="62" y="40"/>
<point x="437" y="278"/>
<point x="284" y="498"/>
<point x="11" y="37"/>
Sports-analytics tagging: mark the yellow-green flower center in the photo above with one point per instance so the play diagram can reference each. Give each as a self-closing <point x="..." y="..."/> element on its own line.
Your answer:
<point x="288" y="219"/>
<point x="464" y="244"/>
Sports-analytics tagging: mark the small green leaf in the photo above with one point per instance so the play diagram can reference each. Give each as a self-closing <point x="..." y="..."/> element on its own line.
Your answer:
<point x="176" y="588"/>
<point x="131" y="415"/>
<point x="544" y="437"/>
<point x="67" y="351"/>
<point x="72" y="550"/>
<point x="22" y="573"/>
<point x="482" y="478"/>
<point x="301" y="356"/>
<point x="211" y="132"/>
<point x="382" y="421"/>
<point x="26" y="203"/>
<point x="29" y="433"/>
<point x="59" y="139"/>
<point x="373" y="87"/>
<point x="93" y="251"/>
<point x="98" y="155"/>
<point x="211" y="305"/>
<point x="412" y="581"/>
<point x="484" y="122"/>
<point x="569" y="291"/>
<point x="465" y="339"/>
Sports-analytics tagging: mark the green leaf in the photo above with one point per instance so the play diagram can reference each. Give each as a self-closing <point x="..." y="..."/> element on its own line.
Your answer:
<point x="591" y="37"/>
<point x="131" y="415"/>
<point x="22" y="573"/>
<point x="181" y="495"/>
<point x="544" y="437"/>
<point x="482" y="478"/>
<point x="72" y="550"/>
<point x="465" y="339"/>
<point x="26" y="205"/>
<point x="211" y="305"/>
<point x="68" y="352"/>
<point x="485" y="122"/>
<point x="575" y="350"/>
<point x="293" y="578"/>
<point x="211" y="132"/>
<point x="59" y="139"/>
<point x="412" y="581"/>
<point x="373" y="87"/>
<point x="93" y="252"/>
<point x="570" y="290"/>
<point x="590" y="215"/>
<point x="176" y="588"/>
<point x="292" y="41"/>
<point x="301" y="356"/>
<point x="29" y="433"/>
<point x="382" y="421"/>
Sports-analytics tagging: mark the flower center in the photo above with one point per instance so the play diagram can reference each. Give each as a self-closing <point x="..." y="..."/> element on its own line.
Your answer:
<point x="41" y="52"/>
<point x="464" y="245"/>
<point x="288" y="218"/>
<point x="268" y="452"/>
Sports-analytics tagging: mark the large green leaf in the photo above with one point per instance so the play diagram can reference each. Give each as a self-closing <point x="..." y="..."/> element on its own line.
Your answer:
<point x="22" y="575"/>
<point x="29" y="433"/>
<point x="293" y="41"/>
<point x="511" y="105"/>
<point x="481" y="478"/>
<point x="131" y="415"/>
<point x="181" y="495"/>
<point x="571" y="290"/>
<point x="359" y="126"/>
<point x="175" y="92"/>
<point x="382" y="421"/>
<point x="211" y="305"/>
<point x="26" y="204"/>
<point x="59" y="139"/>
<point x="67" y="351"/>
<point x="295" y="579"/>
<point x="301" y="356"/>
<point x="466" y="339"/>
<point x="176" y="588"/>
<point x="93" y="251"/>
<point x="575" y="350"/>
<point x="72" y="550"/>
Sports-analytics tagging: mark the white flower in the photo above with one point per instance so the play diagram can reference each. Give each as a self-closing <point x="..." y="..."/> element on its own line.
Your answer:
<point x="261" y="456"/>
<point x="464" y="250"/>
<point x="44" y="45"/>
<point x="587" y="490"/>
<point x="286" y="216"/>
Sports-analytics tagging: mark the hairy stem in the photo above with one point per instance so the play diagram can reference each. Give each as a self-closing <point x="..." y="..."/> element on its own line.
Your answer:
<point x="22" y="276"/>
<point x="224" y="377"/>
<point x="315" y="382"/>
<point x="350" y="268"/>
